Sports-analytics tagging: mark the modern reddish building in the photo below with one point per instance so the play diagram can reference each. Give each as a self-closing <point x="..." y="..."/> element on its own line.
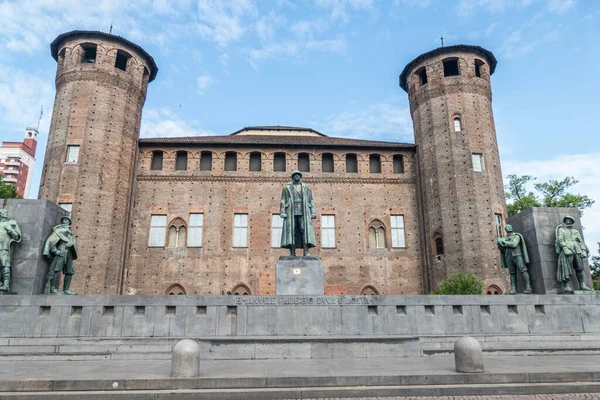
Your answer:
<point x="17" y="160"/>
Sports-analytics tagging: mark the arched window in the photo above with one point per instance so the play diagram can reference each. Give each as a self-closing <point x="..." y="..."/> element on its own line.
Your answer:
<point x="157" y="160"/>
<point x="231" y="161"/>
<point x="438" y="244"/>
<point x="451" y="67"/>
<point x="177" y="233"/>
<point x="181" y="160"/>
<point x="255" y="161"/>
<point x="351" y="163"/>
<point x="420" y="77"/>
<point x="121" y="60"/>
<point x="493" y="289"/>
<point x="175" y="290"/>
<point x="398" y="164"/>
<point x="457" y="124"/>
<point x="377" y="235"/>
<point x="479" y="65"/>
<point x="241" y="290"/>
<point x="61" y="59"/>
<point x="327" y="162"/>
<point x="375" y="163"/>
<point x="303" y="162"/>
<point x="369" y="291"/>
<point x="206" y="161"/>
<point x="279" y="162"/>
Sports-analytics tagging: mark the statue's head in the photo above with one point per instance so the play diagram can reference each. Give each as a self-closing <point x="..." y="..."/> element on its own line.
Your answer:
<point x="296" y="176"/>
<point x="66" y="221"/>
<point x="508" y="228"/>
<point x="569" y="221"/>
<point x="3" y="215"/>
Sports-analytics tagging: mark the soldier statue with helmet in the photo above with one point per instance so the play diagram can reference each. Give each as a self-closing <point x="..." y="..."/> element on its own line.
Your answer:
<point x="514" y="256"/>
<point x="61" y="248"/>
<point x="572" y="253"/>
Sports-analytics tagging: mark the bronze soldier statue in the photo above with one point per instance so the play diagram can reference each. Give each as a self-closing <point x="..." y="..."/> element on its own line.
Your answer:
<point x="515" y="258"/>
<point x="297" y="209"/>
<point x="9" y="233"/>
<point x="572" y="253"/>
<point x="61" y="248"/>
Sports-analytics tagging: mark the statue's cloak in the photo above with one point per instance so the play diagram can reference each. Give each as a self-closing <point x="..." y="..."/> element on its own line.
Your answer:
<point x="522" y="247"/>
<point x="286" y="205"/>
<point x="60" y="233"/>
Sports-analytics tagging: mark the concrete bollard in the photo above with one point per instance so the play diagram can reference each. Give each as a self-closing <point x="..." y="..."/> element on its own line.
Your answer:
<point x="468" y="356"/>
<point x="185" y="359"/>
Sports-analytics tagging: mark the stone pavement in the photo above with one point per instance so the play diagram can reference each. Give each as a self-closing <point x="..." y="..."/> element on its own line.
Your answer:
<point x="576" y="396"/>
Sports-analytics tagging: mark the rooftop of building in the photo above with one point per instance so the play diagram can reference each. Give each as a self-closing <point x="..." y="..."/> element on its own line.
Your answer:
<point x="276" y="135"/>
<point x="488" y="55"/>
<point x="55" y="45"/>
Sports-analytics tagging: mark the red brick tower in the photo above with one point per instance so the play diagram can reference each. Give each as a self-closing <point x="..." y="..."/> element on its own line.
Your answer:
<point x="461" y="192"/>
<point x="89" y="166"/>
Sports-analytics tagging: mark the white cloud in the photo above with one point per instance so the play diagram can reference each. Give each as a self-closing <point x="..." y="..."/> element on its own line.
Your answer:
<point x="224" y="22"/>
<point x="338" y="8"/>
<point x="469" y="7"/>
<point x="412" y="3"/>
<point x="287" y="49"/>
<point x="163" y="122"/>
<point x="584" y="167"/>
<point x="203" y="82"/>
<point x="334" y="45"/>
<point x="382" y="121"/>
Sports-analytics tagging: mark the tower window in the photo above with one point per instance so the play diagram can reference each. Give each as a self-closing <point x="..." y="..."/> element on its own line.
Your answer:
<point x="181" y="161"/>
<point x="72" y="154"/>
<point x="303" y="162"/>
<point x="438" y="242"/>
<point x="351" y="163"/>
<point x="327" y="162"/>
<point x="157" y="160"/>
<point x="498" y="220"/>
<point x="177" y="233"/>
<point x="398" y="164"/>
<point x="375" y="163"/>
<point x="279" y="162"/>
<point x="478" y="67"/>
<point x="457" y="124"/>
<point x="376" y="235"/>
<point x="206" y="161"/>
<point x="89" y="53"/>
<point x="61" y="58"/>
<point x="477" y="162"/>
<point x="255" y="161"/>
<point x="398" y="235"/>
<point x="231" y="161"/>
<point x="121" y="60"/>
<point x="451" y="67"/>
<point x="421" y="76"/>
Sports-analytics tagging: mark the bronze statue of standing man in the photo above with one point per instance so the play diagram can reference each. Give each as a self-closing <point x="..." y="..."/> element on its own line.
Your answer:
<point x="61" y="248"/>
<point x="572" y="253"/>
<point x="297" y="209"/>
<point x="9" y="233"/>
<point x="514" y="257"/>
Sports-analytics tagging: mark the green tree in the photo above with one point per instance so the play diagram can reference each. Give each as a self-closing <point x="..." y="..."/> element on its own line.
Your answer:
<point x="461" y="282"/>
<point x="595" y="266"/>
<point x="8" y="191"/>
<point x="551" y="194"/>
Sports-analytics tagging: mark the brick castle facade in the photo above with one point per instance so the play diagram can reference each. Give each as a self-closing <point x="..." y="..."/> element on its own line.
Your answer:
<point x="199" y="215"/>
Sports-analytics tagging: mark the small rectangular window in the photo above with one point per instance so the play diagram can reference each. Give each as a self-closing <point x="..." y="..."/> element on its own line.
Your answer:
<point x="181" y="161"/>
<point x="375" y="163"/>
<point x="398" y="164"/>
<point x="230" y="161"/>
<point x="157" y="161"/>
<point x="206" y="161"/>
<point x="328" y="231"/>
<point x="327" y="163"/>
<point x="121" y="60"/>
<point x="351" y="163"/>
<point x="397" y="223"/>
<point x="158" y="229"/>
<point x="276" y="227"/>
<point x="279" y="162"/>
<point x="477" y="162"/>
<point x="451" y="67"/>
<point x="457" y="125"/>
<point x="255" y="161"/>
<point x="194" y="238"/>
<point x="498" y="220"/>
<point x="89" y="53"/>
<point x="72" y="154"/>
<point x="240" y="230"/>
<point x="303" y="162"/>
<point x="68" y="207"/>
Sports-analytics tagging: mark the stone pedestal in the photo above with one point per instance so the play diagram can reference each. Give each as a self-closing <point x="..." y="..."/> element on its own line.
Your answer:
<point x="300" y="276"/>
<point x="538" y="227"/>
<point x="36" y="219"/>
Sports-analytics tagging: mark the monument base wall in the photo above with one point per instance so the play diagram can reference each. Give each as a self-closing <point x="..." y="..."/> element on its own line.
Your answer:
<point x="204" y="316"/>
<point x="36" y="218"/>
<point x="538" y="226"/>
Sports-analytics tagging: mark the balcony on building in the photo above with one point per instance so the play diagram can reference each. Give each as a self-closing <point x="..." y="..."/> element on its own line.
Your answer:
<point x="9" y="179"/>
<point x="10" y="172"/>
<point x="12" y="163"/>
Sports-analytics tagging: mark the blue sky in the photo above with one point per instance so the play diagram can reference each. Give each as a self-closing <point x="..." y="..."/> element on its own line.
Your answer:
<point x="332" y="65"/>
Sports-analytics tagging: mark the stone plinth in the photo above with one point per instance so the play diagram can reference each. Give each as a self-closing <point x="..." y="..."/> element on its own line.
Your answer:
<point x="538" y="227"/>
<point x="300" y="276"/>
<point x="36" y="219"/>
